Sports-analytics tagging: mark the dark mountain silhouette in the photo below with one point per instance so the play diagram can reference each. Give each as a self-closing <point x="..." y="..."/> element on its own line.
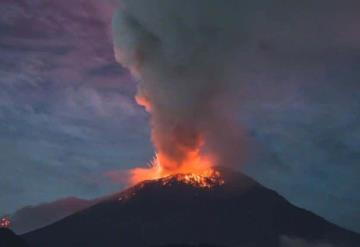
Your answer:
<point x="10" y="239"/>
<point x="33" y="217"/>
<point x="240" y="212"/>
<point x="187" y="245"/>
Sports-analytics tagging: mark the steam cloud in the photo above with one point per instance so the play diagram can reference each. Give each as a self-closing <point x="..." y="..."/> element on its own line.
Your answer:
<point x="191" y="56"/>
<point x="180" y="52"/>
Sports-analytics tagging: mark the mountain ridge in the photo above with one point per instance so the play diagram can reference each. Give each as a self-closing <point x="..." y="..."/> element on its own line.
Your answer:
<point x="239" y="212"/>
<point x="30" y="218"/>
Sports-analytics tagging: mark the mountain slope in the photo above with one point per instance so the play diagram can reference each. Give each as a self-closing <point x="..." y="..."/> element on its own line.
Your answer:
<point x="33" y="217"/>
<point x="240" y="212"/>
<point x="10" y="239"/>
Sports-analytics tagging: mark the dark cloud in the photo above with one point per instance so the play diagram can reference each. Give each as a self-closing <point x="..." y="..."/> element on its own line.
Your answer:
<point x="66" y="112"/>
<point x="111" y="69"/>
<point x="53" y="50"/>
<point x="9" y="188"/>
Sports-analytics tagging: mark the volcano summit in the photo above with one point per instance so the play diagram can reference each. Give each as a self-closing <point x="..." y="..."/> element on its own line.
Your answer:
<point x="233" y="210"/>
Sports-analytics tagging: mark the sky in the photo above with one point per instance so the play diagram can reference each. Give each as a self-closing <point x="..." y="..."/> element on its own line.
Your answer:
<point x="68" y="117"/>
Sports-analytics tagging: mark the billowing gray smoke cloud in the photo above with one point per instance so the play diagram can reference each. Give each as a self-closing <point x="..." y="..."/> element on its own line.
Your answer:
<point x="181" y="52"/>
<point x="195" y="59"/>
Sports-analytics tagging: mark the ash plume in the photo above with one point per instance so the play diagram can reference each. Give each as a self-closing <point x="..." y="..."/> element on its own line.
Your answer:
<point x="180" y="52"/>
<point x="196" y="60"/>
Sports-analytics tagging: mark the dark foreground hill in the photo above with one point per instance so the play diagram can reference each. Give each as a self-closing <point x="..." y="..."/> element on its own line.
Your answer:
<point x="10" y="239"/>
<point x="186" y="245"/>
<point x="239" y="212"/>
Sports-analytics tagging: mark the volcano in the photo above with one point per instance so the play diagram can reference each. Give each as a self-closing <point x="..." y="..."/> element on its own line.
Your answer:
<point x="231" y="210"/>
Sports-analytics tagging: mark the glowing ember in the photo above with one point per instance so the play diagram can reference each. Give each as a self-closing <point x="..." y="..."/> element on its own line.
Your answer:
<point x="213" y="179"/>
<point x="195" y="169"/>
<point x="5" y="222"/>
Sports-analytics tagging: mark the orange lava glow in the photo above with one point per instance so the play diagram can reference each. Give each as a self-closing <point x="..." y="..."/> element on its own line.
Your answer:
<point x="143" y="101"/>
<point x="210" y="180"/>
<point x="184" y="160"/>
<point x="195" y="169"/>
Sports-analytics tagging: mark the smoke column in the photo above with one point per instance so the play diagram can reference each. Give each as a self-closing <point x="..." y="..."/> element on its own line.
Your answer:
<point x="194" y="59"/>
<point x="177" y="50"/>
